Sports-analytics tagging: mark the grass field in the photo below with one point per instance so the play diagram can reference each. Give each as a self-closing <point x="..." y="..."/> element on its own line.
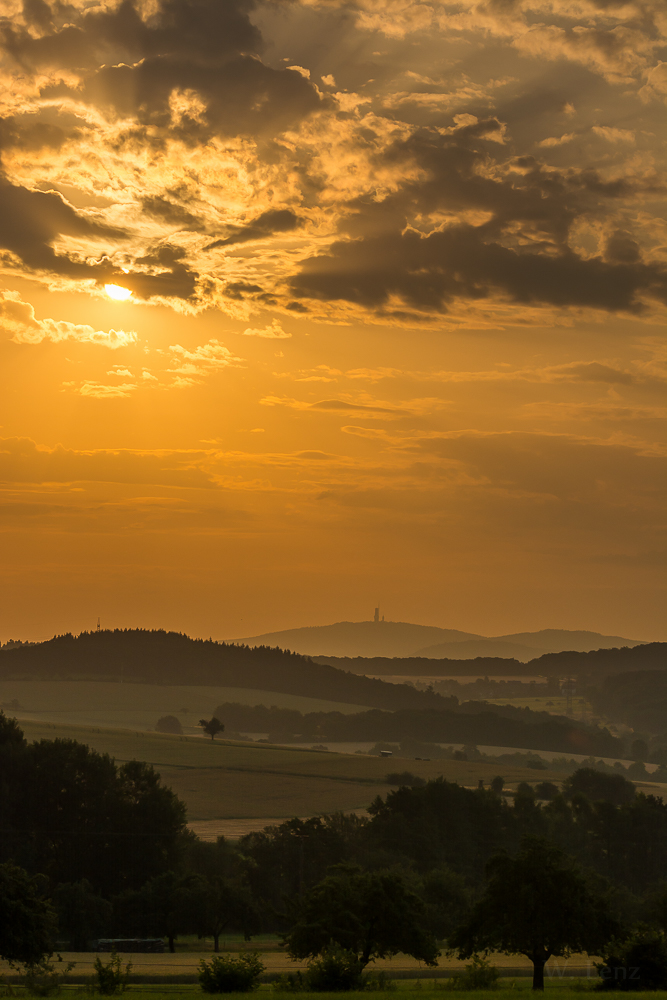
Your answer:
<point x="184" y="964"/>
<point x="139" y="706"/>
<point x="224" y="780"/>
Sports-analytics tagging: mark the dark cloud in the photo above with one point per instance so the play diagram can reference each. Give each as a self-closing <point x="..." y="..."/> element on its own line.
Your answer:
<point x="31" y="220"/>
<point x="266" y="224"/>
<point x="520" y="250"/>
<point x="168" y="276"/>
<point x="171" y="212"/>
<point x="30" y="135"/>
<point x="130" y="67"/>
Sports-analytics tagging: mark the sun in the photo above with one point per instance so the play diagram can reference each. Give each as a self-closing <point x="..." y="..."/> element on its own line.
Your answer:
<point x="117" y="292"/>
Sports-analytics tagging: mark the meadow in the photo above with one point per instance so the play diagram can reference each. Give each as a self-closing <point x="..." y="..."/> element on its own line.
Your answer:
<point x="223" y="779"/>
<point x="139" y="706"/>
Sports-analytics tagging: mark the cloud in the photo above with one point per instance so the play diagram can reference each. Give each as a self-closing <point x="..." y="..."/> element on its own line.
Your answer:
<point x="561" y="141"/>
<point x="96" y="390"/>
<point x="272" y="332"/>
<point x="23" y="461"/>
<point x="390" y="263"/>
<point x="207" y="357"/>
<point x="18" y="319"/>
<point x="265" y="225"/>
<point x="31" y="220"/>
<point x="614" y="134"/>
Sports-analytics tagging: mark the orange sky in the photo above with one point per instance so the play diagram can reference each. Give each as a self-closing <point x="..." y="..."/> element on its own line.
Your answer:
<point x="394" y="331"/>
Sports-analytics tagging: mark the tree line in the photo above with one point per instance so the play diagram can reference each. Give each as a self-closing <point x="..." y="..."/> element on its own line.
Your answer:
<point x="596" y="663"/>
<point x="469" y="723"/>
<point x="90" y="848"/>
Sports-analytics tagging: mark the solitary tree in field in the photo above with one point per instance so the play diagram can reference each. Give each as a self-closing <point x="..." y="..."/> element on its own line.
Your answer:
<point x="212" y="727"/>
<point x="536" y="904"/>
<point x="368" y="914"/>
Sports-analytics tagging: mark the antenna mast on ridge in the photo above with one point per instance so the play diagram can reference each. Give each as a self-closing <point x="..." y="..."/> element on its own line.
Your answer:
<point x="98" y="625"/>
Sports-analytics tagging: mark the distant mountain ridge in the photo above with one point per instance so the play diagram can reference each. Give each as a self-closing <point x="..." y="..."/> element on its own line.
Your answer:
<point x="401" y="639"/>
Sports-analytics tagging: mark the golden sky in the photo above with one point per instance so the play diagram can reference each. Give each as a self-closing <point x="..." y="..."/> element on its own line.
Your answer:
<point x="313" y="305"/>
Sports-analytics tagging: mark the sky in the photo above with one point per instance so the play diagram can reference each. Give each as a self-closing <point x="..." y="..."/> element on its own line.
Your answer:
<point x="313" y="306"/>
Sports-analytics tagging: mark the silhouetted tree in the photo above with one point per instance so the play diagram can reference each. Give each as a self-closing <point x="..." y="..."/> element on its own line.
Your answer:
<point x="169" y="724"/>
<point x="597" y="786"/>
<point x="27" y="920"/>
<point x="212" y="727"/>
<point x="82" y="913"/>
<point x="164" y="907"/>
<point x="72" y="814"/>
<point x="368" y="914"/>
<point x="537" y="904"/>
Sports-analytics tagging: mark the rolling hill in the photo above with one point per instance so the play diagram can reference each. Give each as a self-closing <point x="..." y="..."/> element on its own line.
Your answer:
<point x="407" y="639"/>
<point x="158" y="657"/>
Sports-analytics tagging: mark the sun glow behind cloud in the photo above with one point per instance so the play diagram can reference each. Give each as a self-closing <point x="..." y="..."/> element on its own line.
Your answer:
<point x="118" y="293"/>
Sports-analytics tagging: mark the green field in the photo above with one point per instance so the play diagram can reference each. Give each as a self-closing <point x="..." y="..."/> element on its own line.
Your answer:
<point x="139" y="706"/>
<point x="226" y="779"/>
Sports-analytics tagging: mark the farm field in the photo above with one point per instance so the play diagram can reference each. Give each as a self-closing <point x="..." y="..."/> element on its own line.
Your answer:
<point x="232" y="780"/>
<point x="139" y="706"/>
<point x="184" y="964"/>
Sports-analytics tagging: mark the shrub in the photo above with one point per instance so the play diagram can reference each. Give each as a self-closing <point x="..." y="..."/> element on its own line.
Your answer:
<point x="477" y="975"/>
<point x="640" y="963"/>
<point x="225" y="974"/>
<point x="43" y="979"/>
<point x="169" y="724"/>
<point x="110" y="978"/>
<point x="333" y="971"/>
<point x="405" y="778"/>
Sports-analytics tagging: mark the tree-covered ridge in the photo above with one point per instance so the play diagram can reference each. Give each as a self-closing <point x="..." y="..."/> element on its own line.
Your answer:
<point x="160" y="657"/>
<point x="650" y="656"/>
<point x="470" y="723"/>
<point x="638" y="698"/>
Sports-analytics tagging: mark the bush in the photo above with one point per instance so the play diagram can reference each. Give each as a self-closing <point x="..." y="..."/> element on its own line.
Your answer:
<point x="478" y="975"/>
<point x="43" y="979"/>
<point x="640" y="963"/>
<point x="333" y="971"/>
<point x="110" y="978"/>
<point x="169" y="724"/>
<point x="225" y="974"/>
<point x="405" y="778"/>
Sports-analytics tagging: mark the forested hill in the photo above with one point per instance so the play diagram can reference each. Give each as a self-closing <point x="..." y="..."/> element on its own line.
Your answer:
<point x="598" y="662"/>
<point x="159" y="657"/>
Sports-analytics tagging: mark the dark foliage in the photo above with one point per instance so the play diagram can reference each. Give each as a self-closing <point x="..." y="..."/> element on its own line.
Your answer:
<point x="638" y="698"/>
<point x="405" y="778"/>
<point x="457" y="724"/>
<point x="224" y="974"/>
<point x="599" y="787"/>
<point x="368" y="914"/>
<point x="82" y="913"/>
<point x="639" y="963"/>
<point x="537" y="904"/>
<point x="650" y="656"/>
<point x="27" y="920"/>
<point x="169" y="724"/>
<point x="72" y="813"/>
